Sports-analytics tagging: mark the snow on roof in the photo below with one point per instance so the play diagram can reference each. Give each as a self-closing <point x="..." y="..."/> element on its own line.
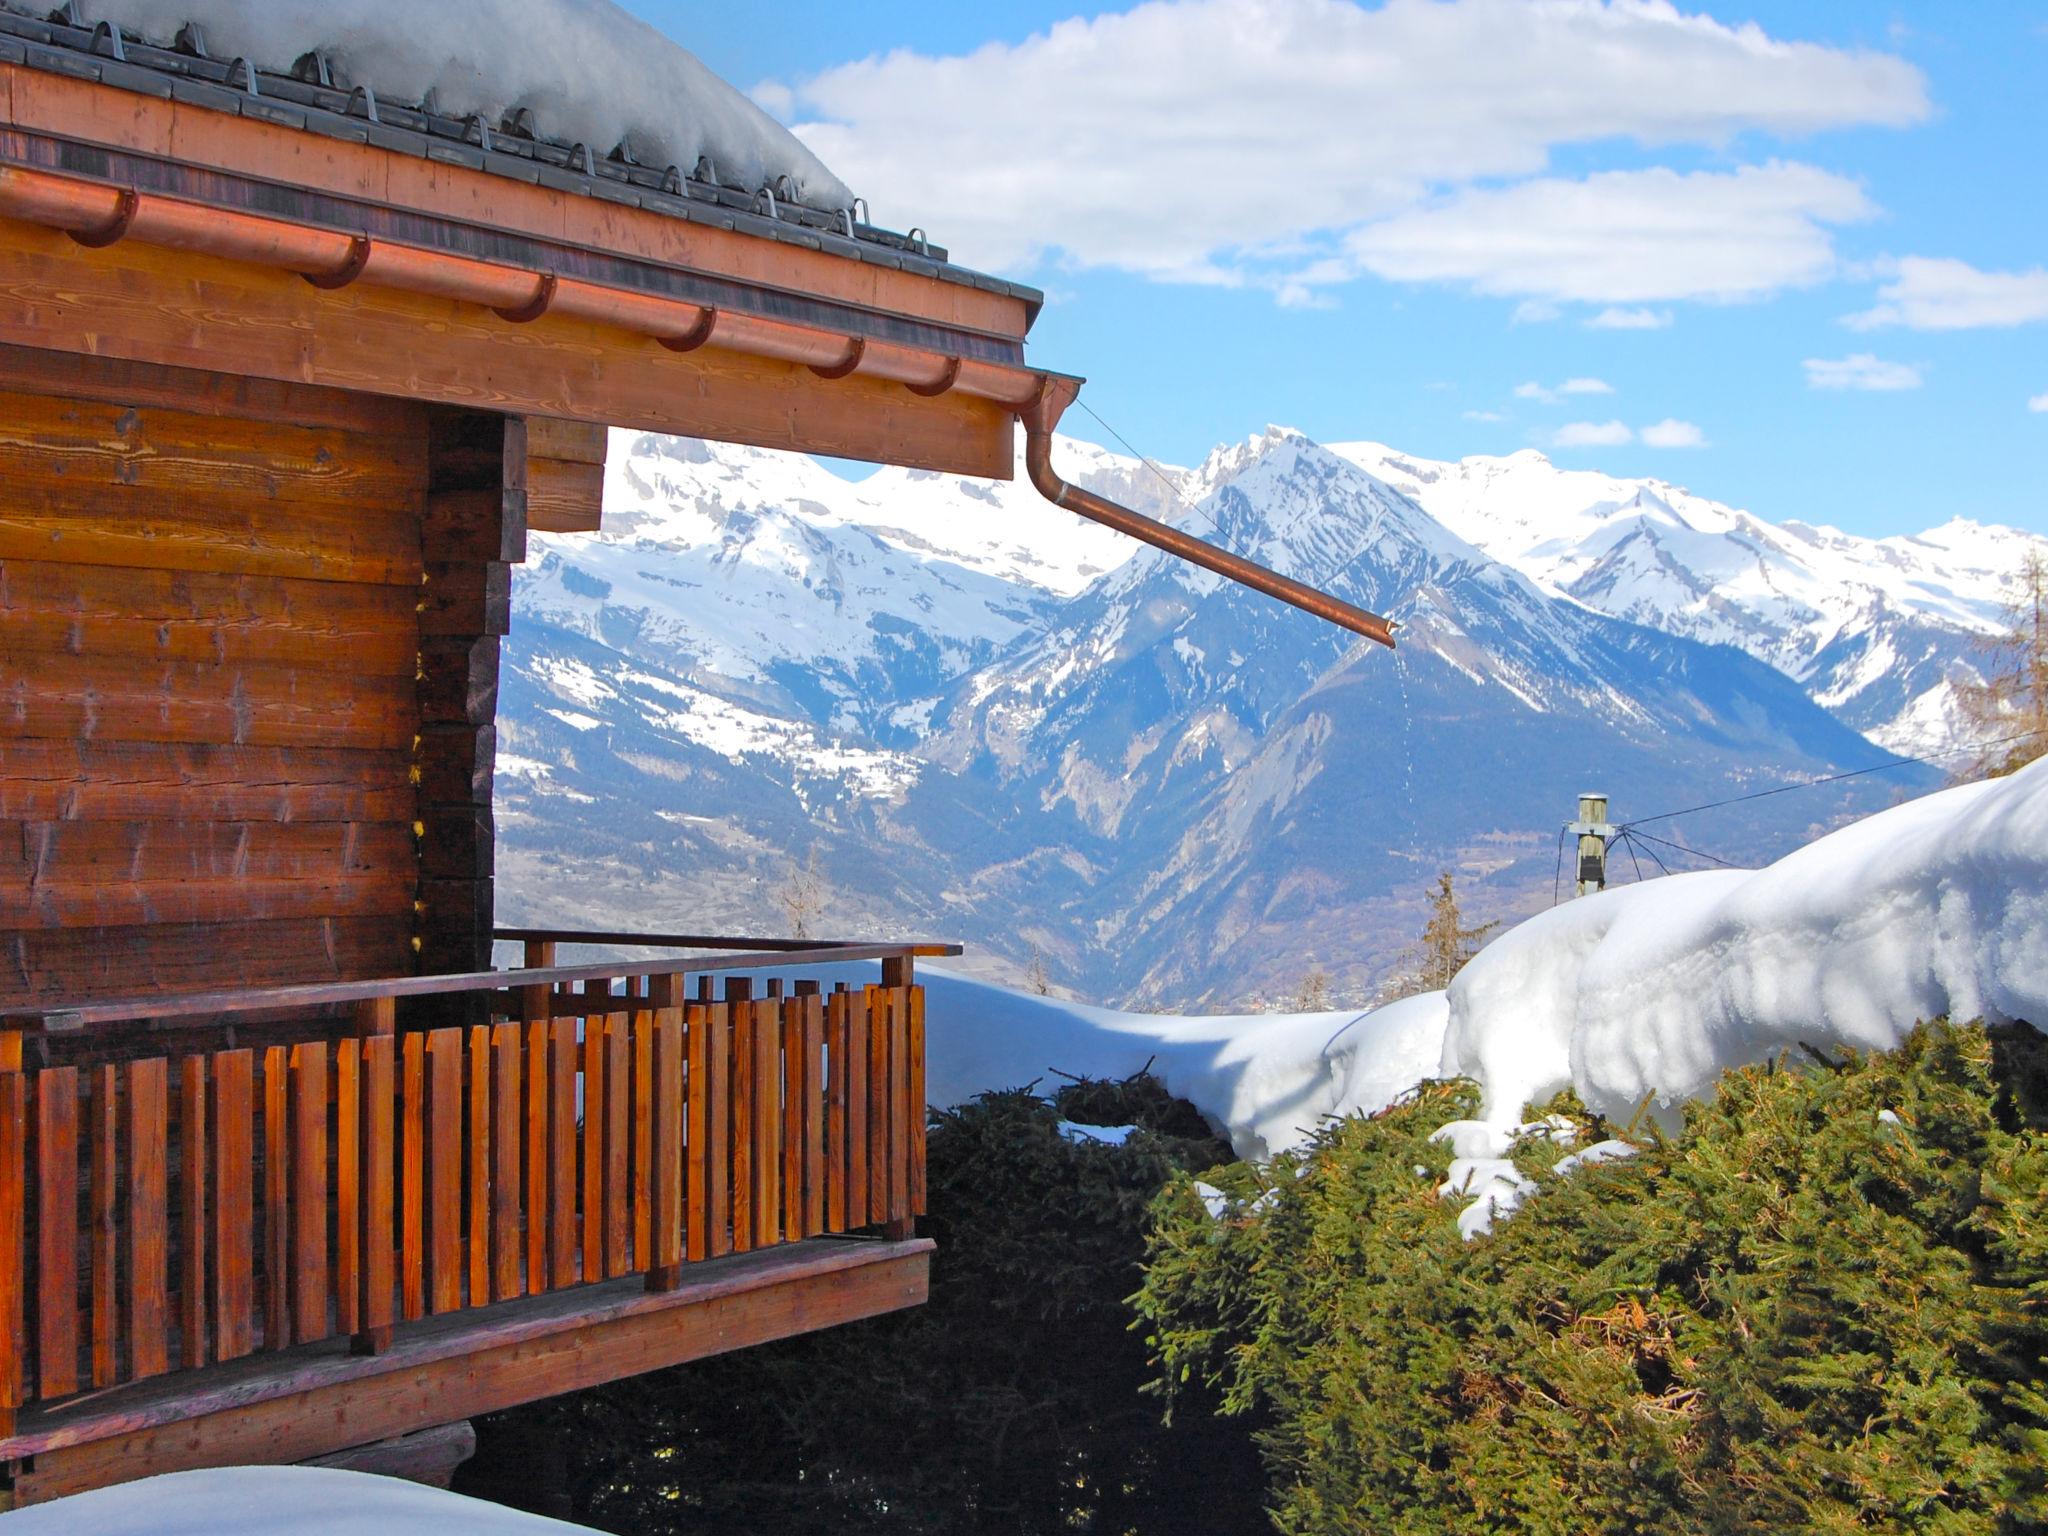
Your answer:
<point x="588" y="72"/>
<point x="277" y="1501"/>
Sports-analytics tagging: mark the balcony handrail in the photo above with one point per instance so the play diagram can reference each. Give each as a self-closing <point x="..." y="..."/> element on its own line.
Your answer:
<point x="921" y="948"/>
<point x="71" y="1018"/>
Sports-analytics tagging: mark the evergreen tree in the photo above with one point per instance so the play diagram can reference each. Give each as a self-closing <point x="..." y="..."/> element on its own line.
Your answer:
<point x="2013" y="700"/>
<point x="1446" y="944"/>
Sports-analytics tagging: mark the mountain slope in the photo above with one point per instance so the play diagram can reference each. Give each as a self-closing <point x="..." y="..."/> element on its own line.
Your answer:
<point x="1874" y="629"/>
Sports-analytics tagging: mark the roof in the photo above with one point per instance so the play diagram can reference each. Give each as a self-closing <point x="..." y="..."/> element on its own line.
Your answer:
<point x="315" y="93"/>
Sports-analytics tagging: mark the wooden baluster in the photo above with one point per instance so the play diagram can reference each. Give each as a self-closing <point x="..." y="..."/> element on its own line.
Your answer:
<point x="378" y="1311"/>
<point x="506" y="1246"/>
<point x="857" y="1108"/>
<point x="105" y="1236"/>
<point x="412" y="1266"/>
<point x="192" y="1186"/>
<point x="618" y="1144"/>
<point x="696" y="1130"/>
<point x="444" y="1169"/>
<point x="835" y="1109"/>
<point x="277" y="1253"/>
<point x="479" y="1043"/>
<point x="717" y="1162"/>
<point x="149" y="1227"/>
<point x="234" y="1204"/>
<point x="917" y="1102"/>
<point x="739" y="1010"/>
<point x="878" y="1103"/>
<point x="791" y="1029"/>
<point x="57" y="1231"/>
<point x="901" y="1114"/>
<point x="814" y="1107"/>
<point x="594" y="1001"/>
<point x="14" y="1111"/>
<point x="666" y="1199"/>
<point x="309" y="1191"/>
<point x="348" y="1189"/>
<point x="643" y="1113"/>
<point x="767" y="1076"/>
<point x="562" y="1055"/>
<point x="535" y="1011"/>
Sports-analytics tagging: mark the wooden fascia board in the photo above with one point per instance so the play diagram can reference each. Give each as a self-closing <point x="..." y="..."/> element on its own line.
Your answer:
<point x="321" y="1399"/>
<point x="155" y="305"/>
<point x="90" y="113"/>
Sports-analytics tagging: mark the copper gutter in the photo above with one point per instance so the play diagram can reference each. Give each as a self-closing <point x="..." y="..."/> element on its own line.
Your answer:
<point x="98" y="214"/>
<point x="1039" y="420"/>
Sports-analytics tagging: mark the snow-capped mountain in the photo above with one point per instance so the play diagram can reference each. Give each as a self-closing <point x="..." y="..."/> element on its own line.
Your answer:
<point x="1169" y="788"/>
<point x="1874" y="629"/>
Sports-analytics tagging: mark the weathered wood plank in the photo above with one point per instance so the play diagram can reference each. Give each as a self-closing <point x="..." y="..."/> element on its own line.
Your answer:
<point x="277" y="1240"/>
<point x="643" y="1117"/>
<point x="234" y="1205"/>
<point x="718" y="1138"/>
<point x="412" y="1244"/>
<point x="380" y="1266"/>
<point x="592" y="1232"/>
<point x="348" y="1192"/>
<point x="835" y="1109"/>
<point x="618" y="1144"/>
<point x="14" y="1262"/>
<point x="917" y="1105"/>
<point x="696" y="1129"/>
<point x="106" y="1329"/>
<point x="480" y="1168"/>
<point x="148" y="1311"/>
<point x="62" y="606"/>
<point x="79" y="781"/>
<point x="309" y="1191"/>
<point x="814" y="1111"/>
<point x="249" y="703"/>
<point x="790" y="1068"/>
<point x="745" y="1088"/>
<point x="562" y="1143"/>
<point x="507" y="1241"/>
<point x="857" y="1075"/>
<point x="193" y="1183"/>
<point x="57" y="1231"/>
<point x="444" y="1175"/>
<point x="538" y="1086"/>
<point x="668" y="1195"/>
<point x="879" y="1103"/>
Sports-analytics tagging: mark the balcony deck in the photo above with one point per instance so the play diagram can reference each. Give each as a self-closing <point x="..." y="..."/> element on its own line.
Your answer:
<point x="437" y="1196"/>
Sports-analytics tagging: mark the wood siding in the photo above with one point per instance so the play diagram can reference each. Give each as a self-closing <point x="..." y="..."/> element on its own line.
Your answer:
<point x="209" y="642"/>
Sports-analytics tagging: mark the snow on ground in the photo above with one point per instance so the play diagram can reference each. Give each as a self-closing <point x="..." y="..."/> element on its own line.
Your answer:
<point x="1638" y="997"/>
<point x="276" y="1501"/>
<point x="591" y="73"/>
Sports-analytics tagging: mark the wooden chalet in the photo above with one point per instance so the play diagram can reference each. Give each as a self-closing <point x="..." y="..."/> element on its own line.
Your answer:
<point x="287" y="375"/>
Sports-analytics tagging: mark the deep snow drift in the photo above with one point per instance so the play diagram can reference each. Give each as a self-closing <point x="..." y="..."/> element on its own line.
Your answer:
<point x="297" y="1501"/>
<point x="591" y="73"/>
<point x="1639" y="996"/>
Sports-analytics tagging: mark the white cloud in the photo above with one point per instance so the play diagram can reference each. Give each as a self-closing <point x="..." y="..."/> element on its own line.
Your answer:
<point x="1861" y="370"/>
<point x="1532" y="390"/>
<point x="1615" y="318"/>
<point x="2038" y="403"/>
<point x="1672" y="433"/>
<point x="1593" y="434"/>
<point x="1625" y="237"/>
<point x="1497" y="416"/>
<point x="1939" y="293"/>
<point x="1194" y="139"/>
<point x="1534" y="312"/>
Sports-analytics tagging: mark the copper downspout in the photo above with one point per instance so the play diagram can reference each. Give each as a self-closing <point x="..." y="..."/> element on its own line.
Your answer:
<point x="1039" y="420"/>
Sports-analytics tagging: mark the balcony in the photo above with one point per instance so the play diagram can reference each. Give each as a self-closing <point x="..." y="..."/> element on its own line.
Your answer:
<point x="398" y="1203"/>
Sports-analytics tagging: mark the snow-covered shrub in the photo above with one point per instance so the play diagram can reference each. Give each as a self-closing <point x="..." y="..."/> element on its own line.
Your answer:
<point x="1818" y="1306"/>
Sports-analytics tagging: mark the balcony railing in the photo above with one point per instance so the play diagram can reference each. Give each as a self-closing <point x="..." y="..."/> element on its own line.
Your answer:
<point x="553" y="1126"/>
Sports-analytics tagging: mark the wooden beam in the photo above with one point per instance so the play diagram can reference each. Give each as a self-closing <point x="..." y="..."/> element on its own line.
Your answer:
<point x="325" y="1399"/>
<point x="155" y="305"/>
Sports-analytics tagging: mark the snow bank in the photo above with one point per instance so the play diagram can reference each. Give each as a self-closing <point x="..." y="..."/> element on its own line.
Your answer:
<point x="590" y="73"/>
<point x="276" y="1501"/>
<point x="1647" y="993"/>
<point x="1264" y="1080"/>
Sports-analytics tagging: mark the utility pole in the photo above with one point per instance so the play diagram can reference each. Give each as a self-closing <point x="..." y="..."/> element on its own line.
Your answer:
<point x="1594" y="833"/>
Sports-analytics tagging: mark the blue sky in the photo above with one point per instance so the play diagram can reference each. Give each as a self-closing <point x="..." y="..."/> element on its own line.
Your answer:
<point x="1826" y="222"/>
